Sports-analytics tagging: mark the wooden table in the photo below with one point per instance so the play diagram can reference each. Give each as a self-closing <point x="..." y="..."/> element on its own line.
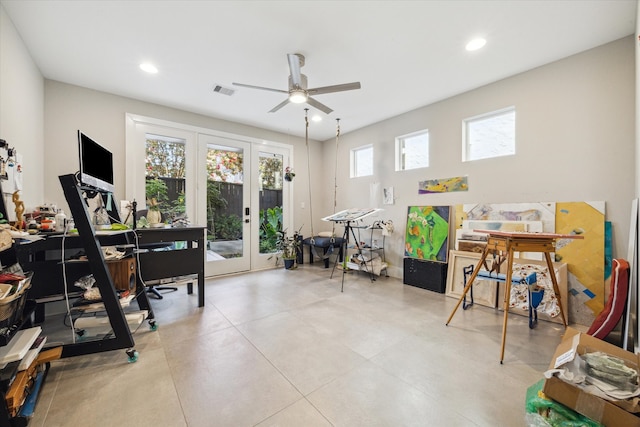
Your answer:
<point x="506" y="243"/>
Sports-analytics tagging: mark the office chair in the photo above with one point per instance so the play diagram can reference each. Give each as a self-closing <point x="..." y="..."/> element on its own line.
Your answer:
<point x="154" y="289"/>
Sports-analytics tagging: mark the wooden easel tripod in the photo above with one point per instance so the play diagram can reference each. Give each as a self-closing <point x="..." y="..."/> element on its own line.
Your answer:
<point x="507" y="243"/>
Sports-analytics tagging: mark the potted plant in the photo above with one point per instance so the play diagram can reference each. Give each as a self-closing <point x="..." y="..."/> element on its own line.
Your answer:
<point x="289" y="174"/>
<point x="289" y="247"/>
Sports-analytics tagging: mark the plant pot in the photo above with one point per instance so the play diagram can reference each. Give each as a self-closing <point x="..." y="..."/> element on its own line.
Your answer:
<point x="154" y="217"/>
<point x="289" y="263"/>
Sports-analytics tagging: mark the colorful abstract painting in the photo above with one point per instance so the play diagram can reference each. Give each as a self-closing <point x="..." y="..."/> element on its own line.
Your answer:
<point x="427" y="234"/>
<point x="586" y="259"/>
<point x="446" y="185"/>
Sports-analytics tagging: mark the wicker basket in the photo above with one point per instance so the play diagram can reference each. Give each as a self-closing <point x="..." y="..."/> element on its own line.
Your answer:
<point x="12" y="306"/>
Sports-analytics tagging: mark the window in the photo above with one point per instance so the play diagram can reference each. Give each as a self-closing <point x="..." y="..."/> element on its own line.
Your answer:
<point x="412" y="151"/>
<point x="362" y="161"/>
<point x="165" y="175"/>
<point x="490" y="135"/>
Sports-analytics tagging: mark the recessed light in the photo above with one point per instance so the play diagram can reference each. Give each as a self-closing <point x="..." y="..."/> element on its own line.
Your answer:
<point x="475" y="44"/>
<point x="316" y="118"/>
<point x="149" y="68"/>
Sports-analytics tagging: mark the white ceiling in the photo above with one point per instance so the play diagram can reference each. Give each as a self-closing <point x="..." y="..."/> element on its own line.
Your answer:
<point x="406" y="54"/>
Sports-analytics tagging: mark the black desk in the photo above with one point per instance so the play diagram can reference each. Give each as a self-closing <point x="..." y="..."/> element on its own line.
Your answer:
<point x="43" y="257"/>
<point x="155" y="265"/>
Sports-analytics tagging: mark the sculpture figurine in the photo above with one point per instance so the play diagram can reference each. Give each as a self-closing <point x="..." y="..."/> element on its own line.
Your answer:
<point x="19" y="210"/>
<point x="153" y="213"/>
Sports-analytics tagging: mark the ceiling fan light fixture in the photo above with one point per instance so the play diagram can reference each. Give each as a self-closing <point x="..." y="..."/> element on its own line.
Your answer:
<point x="298" y="96"/>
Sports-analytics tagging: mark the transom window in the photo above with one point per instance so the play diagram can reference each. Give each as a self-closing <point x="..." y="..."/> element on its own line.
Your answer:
<point x="412" y="151"/>
<point x="490" y="135"/>
<point x="362" y="161"/>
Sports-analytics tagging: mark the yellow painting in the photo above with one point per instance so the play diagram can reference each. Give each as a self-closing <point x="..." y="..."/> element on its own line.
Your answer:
<point x="445" y="185"/>
<point x="585" y="258"/>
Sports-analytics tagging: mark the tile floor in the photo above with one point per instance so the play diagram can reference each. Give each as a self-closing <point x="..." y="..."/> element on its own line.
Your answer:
<point x="287" y="348"/>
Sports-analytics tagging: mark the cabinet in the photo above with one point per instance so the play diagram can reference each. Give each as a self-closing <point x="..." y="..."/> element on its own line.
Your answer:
<point x="425" y="274"/>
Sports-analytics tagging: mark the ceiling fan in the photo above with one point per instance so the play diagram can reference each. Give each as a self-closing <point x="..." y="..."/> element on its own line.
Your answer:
<point x="298" y="91"/>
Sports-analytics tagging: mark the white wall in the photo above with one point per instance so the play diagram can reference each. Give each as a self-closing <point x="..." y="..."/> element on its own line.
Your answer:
<point x="574" y="141"/>
<point x="637" y="52"/>
<point x="102" y="116"/>
<point x="22" y="110"/>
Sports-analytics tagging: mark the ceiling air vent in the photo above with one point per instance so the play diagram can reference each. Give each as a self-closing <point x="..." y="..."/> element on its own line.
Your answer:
<point x="223" y="90"/>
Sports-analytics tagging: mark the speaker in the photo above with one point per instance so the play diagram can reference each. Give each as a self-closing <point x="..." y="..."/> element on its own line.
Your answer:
<point x="424" y="274"/>
<point x="123" y="273"/>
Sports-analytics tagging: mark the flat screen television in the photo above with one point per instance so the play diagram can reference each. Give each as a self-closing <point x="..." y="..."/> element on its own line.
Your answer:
<point x="96" y="164"/>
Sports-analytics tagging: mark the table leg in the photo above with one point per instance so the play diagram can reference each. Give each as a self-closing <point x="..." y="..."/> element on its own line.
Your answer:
<point x="507" y="299"/>
<point x="552" y="274"/>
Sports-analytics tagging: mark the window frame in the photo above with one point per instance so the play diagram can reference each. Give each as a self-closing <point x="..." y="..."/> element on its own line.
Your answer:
<point x="353" y="160"/>
<point x="400" y="147"/>
<point x="466" y="147"/>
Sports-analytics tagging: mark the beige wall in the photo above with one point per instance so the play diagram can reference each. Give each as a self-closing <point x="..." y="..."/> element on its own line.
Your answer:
<point x="102" y="116"/>
<point x="574" y="142"/>
<point x="22" y="110"/>
<point x="575" y="139"/>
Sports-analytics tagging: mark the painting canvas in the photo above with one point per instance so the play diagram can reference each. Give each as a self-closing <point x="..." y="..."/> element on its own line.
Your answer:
<point x="585" y="258"/>
<point x="484" y="291"/>
<point x="491" y="293"/>
<point x="548" y="309"/>
<point x="535" y="211"/>
<point x="446" y="185"/>
<point x="427" y="233"/>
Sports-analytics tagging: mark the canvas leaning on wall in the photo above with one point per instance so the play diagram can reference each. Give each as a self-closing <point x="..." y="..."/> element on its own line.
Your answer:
<point x="427" y="233"/>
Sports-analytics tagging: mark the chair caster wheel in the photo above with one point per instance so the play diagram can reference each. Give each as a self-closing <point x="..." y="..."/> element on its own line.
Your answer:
<point x="133" y="356"/>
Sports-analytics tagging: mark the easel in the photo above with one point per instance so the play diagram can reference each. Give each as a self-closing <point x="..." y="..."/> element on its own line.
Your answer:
<point x="346" y="217"/>
<point x="499" y="242"/>
<point x="347" y="228"/>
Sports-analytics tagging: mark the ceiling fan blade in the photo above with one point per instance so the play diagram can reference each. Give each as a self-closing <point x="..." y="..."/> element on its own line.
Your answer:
<point x="334" y="88"/>
<point x="260" y="87"/>
<point x="318" y="105"/>
<point x="294" y="67"/>
<point x="279" y="106"/>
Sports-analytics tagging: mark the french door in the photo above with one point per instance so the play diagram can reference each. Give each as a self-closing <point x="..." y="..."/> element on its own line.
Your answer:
<point x="231" y="184"/>
<point x="243" y="188"/>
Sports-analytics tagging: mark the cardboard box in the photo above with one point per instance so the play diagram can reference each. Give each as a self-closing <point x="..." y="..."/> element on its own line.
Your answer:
<point x="604" y="411"/>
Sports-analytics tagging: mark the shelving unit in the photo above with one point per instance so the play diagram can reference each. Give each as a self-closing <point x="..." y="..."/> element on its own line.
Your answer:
<point x="22" y="320"/>
<point x="121" y="337"/>
<point x="371" y="249"/>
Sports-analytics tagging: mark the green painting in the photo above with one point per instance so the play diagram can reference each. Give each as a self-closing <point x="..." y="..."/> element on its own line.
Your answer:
<point x="427" y="235"/>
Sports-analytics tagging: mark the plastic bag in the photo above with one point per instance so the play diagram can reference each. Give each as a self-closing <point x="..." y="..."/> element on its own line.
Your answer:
<point x="553" y="413"/>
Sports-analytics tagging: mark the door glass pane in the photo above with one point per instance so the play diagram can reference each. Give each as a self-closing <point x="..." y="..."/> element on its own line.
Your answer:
<point x="225" y="182"/>
<point x="164" y="179"/>
<point x="270" y="182"/>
